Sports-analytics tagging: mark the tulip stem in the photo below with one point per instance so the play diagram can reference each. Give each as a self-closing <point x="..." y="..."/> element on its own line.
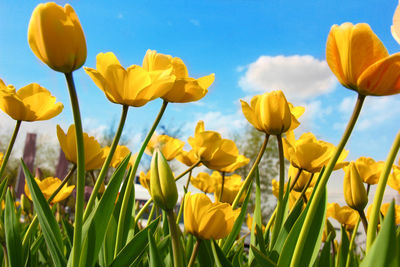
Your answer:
<point x="187" y="171"/>
<point x="376" y="205"/>
<point x="33" y="224"/>
<point x="303" y="192"/>
<point x="142" y="210"/>
<point x="295" y="179"/>
<point x="176" y="245"/>
<point x="194" y="252"/>
<point x="322" y="184"/>
<point x="185" y="188"/>
<point x="222" y="186"/>
<point x="249" y="177"/>
<point x="106" y="163"/>
<point x="352" y="242"/>
<point x="9" y="148"/>
<point x="363" y="220"/>
<point x="129" y="186"/>
<point x="153" y="209"/>
<point x="280" y="208"/>
<point x="80" y="179"/>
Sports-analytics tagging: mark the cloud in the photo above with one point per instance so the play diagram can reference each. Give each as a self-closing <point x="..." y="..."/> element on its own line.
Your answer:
<point x="195" y="22"/>
<point x="300" y="77"/>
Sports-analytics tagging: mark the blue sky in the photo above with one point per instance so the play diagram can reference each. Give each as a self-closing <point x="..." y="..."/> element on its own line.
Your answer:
<point x="251" y="46"/>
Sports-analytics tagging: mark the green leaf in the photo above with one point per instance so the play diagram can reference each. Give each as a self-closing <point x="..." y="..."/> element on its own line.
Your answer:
<point x="324" y="259"/>
<point x="261" y="258"/>
<point x="13" y="238"/>
<point x="3" y="188"/>
<point x="47" y="221"/>
<point x="280" y="215"/>
<point x="94" y="228"/>
<point x="309" y="252"/>
<point x="343" y="249"/>
<point x="135" y="247"/>
<point x="205" y="254"/>
<point x="154" y="254"/>
<point x="257" y="217"/>
<point x="237" y="226"/>
<point x="219" y="254"/>
<point x="385" y="250"/>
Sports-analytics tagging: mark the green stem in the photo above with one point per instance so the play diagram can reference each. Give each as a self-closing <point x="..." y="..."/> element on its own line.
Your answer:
<point x="185" y="188"/>
<point x="214" y="251"/>
<point x="176" y="245"/>
<point x="33" y="224"/>
<point x="280" y="208"/>
<point x="322" y="184"/>
<point x="153" y="209"/>
<point x="107" y="162"/>
<point x="5" y="256"/>
<point x="9" y="148"/>
<point x="249" y="177"/>
<point x="194" y="252"/>
<point x="128" y="190"/>
<point x="376" y="205"/>
<point x="142" y="210"/>
<point x="187" y="171"/>
<point x="352" y="242"/>
<point x="80" y="179"/>
<point x="295" y="179"/>
<point x="257" y="216"/>
<point x="364" y="220"/>
<point x="222" y="186"/>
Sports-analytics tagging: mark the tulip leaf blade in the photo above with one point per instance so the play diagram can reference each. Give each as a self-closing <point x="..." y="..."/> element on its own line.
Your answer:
<point x="237" y="225"/>
<point x="12" y="235"/>
<point x="384" y="251"/>
<point x="343" y="248"/>
<point x="154" y="254"/>
<point x="47" y="221"/>
<point x="261" y="258"/>
<point x="205" y="255"/>
<point x="95" y="227"/>
<point x="135" y="247"/>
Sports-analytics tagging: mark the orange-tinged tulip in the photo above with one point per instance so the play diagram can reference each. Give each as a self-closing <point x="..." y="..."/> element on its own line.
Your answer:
<point x="30" y="103"/>
<point x="48" y="186"/>
<point x="310" y="154"/>
<point x="353" y="187"/>
<point x="369" y="170"/>
<point x="56" y="37"/>
<point x="232" y="185"/>
<point x="119" y="155"/>
<point x="395" y="28"/>
<point x="344" y="215"/>
<point x="133" y="86"/>
<point x="170" y="147"/>
<point x="269" y="112"/>
<point x="215" y="152"/>
<point x="94" y="154"/>
<point x="205" y="182"/>
<point x="361" y="62"/>
<point x="207" y="220"/>
<point x="185" y="89"/>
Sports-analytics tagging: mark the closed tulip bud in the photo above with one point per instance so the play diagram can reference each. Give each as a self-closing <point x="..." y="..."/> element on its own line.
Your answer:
<point x="354" y="190"/>
<point x="162" y="182"/>
<point x="56" y="37"/>
<point x="25" y="204"/>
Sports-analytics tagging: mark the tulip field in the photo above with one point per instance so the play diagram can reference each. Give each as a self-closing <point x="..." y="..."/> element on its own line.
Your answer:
<point x="114" y="228"/>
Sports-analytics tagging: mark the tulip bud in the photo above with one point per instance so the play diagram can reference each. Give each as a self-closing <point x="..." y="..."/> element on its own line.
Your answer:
<point x="25" y="204"/>
<point x="56" y="37"/>
<point x="162" y="182"/>
<point x="354" y="190"/>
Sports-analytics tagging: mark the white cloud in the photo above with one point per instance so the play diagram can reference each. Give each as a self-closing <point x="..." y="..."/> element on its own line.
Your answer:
<point x="300" y="77"/>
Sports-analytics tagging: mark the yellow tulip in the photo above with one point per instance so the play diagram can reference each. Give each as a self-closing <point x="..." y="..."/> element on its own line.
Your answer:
<point x="187" y="157"/>
<point x="394" y="178"/>
<point x="215" y="152"/>
<point x="170" y="147"/>
<point x="310" y="154"/>
<point x="94" y="154"/>
<point x="144" y="180"/>
<point x="344" y="215"/>
<point x="48" y="186"/>
<point x="296" y="113"/>
<point x="133" y="86"/>
<point x="361" y="62"/>
<point x="56" y="37"/>
<point x="205" y="182"/>
<point x="30" y="103"/>
<point x="119" y="155"/>
<point x="275" y="187"/>
<point x="353" y="187"/>
<point x="1" y="157"/>
<point x="384" y="209"/>
<point x="162" y="182"/>
<point x="369" y="170"/>
<point x="232" y="185"/>
<point x="304" y="177"/>
<point x="185" y="89"/>
<point x="207" y="220"/>
<point x="249" y="222"/>
<point x="270" y="113"/>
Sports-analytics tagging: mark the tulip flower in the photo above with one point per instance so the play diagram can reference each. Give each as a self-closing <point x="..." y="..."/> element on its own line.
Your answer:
<point x="207" y="220"/>
<point x="304" y="177"/>
<point x="384" y="209"/>
<point x="232" y="185"/>
<point x="354" y="190"/>
<point x="119" y="155"/>
<point x="170" y="147"/>
<point x="249" y="222"/>
<point x="94" y="154"/>
<point x="30" y="103"/>
<point x="187" y="157"/>
<point x="144" y="180"/>
<point x="48" y="186"/>
<point x="162" y="182"/>
<point x="344" y="215"/>
<point x="361" y="62"/>
<point x="369" y="170"/>
<point x="394" y="179"/>
<point x="133" y="86"/>
<point x="56" y="37"/>
<point x="185" y="89"/>
<point x="205" y="182"/>
<point x="310" y="154"/>
<point x="215" y="152"/>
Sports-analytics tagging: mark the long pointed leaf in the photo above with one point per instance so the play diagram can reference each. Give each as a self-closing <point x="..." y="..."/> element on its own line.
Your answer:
<point x="154" y="254"/>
